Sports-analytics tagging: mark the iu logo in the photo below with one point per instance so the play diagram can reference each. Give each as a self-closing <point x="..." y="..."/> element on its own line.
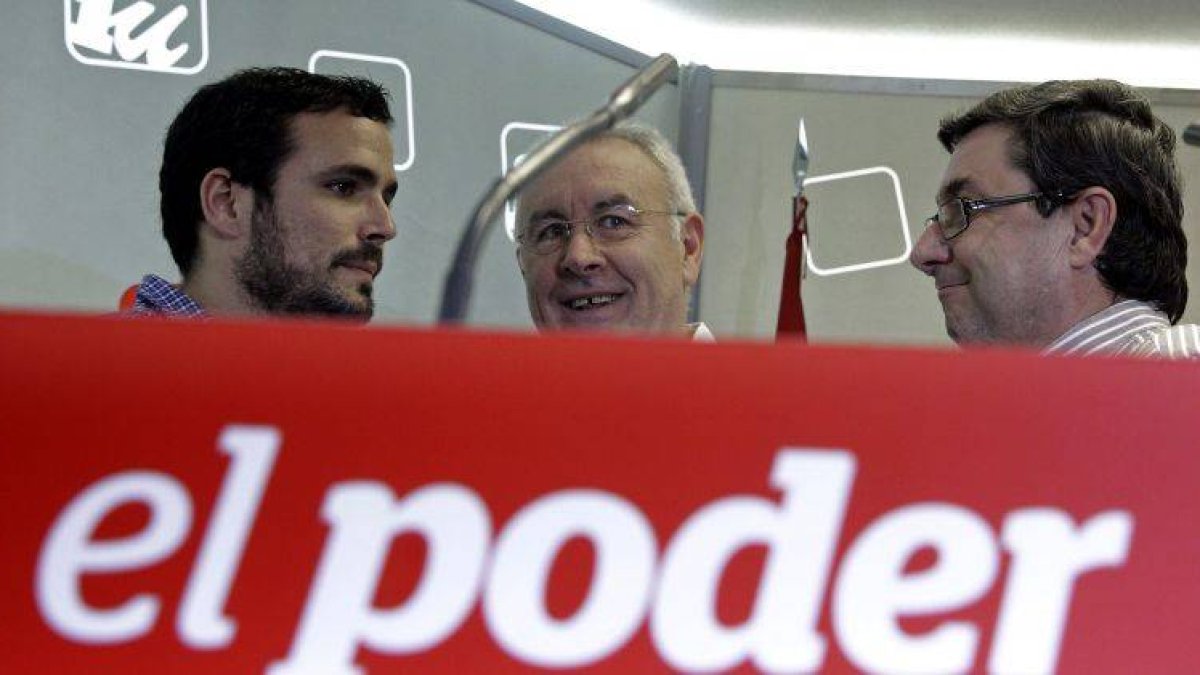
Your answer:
<point x="165" y="36"/>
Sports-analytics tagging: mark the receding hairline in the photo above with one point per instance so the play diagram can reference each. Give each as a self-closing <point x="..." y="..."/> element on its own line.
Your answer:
<point x="523" y="216"/>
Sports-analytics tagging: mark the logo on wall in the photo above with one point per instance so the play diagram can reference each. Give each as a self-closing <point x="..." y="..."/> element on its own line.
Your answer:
<point x="859" y="194"/>
<point x="517" y="139"/>
<point x="165" y="36"/>
<point x="388" y="71"/>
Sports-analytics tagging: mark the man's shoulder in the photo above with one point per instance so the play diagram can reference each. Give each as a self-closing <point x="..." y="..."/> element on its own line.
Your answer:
<point x="1124" y="327"/>
<point x="1181" y="341"/>
<point x="157" y="296"/>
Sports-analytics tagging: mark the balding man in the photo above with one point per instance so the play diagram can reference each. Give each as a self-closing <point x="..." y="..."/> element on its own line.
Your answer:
<point x="609" y="238"/>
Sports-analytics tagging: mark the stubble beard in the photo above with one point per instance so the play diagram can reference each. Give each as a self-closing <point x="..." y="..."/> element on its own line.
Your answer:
<point x="277" y="287"/>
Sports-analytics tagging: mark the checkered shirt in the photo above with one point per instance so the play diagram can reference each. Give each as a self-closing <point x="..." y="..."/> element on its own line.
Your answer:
<point x="156" y="295"/>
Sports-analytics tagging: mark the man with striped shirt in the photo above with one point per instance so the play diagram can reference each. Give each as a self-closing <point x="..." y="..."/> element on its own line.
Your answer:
<point x="1059" y="224"/>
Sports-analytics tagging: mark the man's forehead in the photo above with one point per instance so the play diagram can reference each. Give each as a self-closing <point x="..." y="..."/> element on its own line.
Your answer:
<point x="338" y="132"/>
<point x="980" y="164"/>
<point x="597" y="175"/>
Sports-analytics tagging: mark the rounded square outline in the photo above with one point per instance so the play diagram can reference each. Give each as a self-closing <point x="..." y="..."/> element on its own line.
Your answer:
<point x="408" y="89"/>
<point x="117" y="63"/>
<point x="871" y="264"/>
<point x="510" y="216"/>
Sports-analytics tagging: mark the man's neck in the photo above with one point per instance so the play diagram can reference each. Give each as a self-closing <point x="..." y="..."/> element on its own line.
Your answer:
<point x="217" y="291"/>
<point x="1096" y="300"/>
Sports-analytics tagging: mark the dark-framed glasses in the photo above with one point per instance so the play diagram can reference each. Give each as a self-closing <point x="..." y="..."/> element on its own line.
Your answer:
<point x="608" y="226"/>
<point x="954" y="216"/>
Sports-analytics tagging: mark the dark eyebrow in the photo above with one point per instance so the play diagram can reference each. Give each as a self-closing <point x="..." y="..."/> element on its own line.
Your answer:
<point x="356" y="171"/>
<point x="952" y="189"/>
<point x="361" y="174"/>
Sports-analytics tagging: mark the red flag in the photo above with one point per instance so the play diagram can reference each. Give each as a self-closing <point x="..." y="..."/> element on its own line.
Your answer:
<point x="791" y="302"/>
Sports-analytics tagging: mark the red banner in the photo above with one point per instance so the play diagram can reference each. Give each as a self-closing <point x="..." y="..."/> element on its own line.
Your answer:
<point x="289" y="498"/>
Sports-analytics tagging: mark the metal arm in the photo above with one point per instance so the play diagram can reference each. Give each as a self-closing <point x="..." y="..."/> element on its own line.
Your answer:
<point x="1191" y="135"/>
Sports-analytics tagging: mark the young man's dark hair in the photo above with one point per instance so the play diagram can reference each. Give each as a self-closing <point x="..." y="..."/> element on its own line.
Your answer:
<point x="242" y="124"/>
<point x="1072" y="135"/>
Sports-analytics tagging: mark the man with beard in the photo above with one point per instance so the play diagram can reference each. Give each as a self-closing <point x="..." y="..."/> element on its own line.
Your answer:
<point x="276" y="187"/>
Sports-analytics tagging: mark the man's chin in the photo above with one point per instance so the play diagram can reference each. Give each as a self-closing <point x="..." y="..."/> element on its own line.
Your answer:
<point x="591" y="320"/>
<point x="354" y="305"/>
<point x="358" y="308"/>
<point x="353" y="300"/>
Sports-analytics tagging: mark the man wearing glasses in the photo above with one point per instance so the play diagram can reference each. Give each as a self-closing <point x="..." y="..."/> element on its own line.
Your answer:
<point x="1059" y="224"/>
<point x="609" y="238"/>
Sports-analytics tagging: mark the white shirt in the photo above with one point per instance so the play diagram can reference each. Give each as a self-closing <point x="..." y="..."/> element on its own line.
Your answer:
<point x="1130" y="328"/>
<point x="701" y="333"/>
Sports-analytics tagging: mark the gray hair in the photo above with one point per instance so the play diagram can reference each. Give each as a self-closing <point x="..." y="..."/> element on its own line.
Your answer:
<point x="656" y="146"/>
<point x="660" y="151"/>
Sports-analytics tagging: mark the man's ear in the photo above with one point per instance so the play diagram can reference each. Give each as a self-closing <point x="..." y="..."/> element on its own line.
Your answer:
<point x="1093" y="214"/>
<point x="226" y="204"/>
<point x="691" y="232"/>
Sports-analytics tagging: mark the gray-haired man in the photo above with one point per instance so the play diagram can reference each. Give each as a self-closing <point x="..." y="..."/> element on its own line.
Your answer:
<point x="609" y="238"/>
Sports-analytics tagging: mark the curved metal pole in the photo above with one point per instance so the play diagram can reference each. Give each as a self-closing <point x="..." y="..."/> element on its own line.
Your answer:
<point x="1191" y="134"/>
<point x="460" y="281"/>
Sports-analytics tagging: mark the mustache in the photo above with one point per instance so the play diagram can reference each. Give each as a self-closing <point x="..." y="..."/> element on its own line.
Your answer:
<point x="366" y="253"/>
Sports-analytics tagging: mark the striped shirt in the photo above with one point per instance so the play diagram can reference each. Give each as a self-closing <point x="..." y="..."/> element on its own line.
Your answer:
<point x="1129" y="328"/>
<point x="156" y="295"/>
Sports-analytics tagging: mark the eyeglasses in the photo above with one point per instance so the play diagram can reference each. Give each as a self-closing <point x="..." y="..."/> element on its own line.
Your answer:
<point x="954" y="216"/>
<point x="612" y="225"/>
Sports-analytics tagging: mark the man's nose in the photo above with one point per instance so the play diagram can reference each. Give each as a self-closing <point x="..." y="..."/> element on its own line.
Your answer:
<point x="581" y="256"/>
<point x="378" y="226"/>
<point x="931" y="250"/>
